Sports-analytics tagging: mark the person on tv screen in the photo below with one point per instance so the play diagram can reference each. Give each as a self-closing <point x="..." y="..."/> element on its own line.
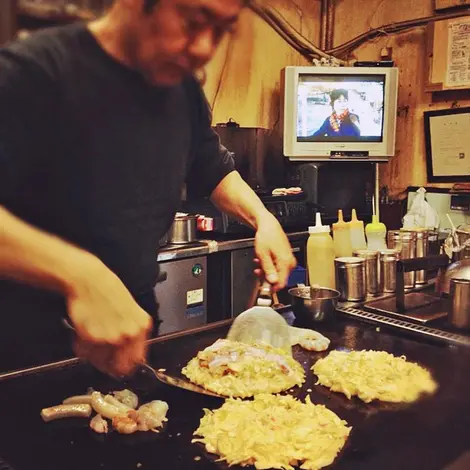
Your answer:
<point x="341" y="123"/>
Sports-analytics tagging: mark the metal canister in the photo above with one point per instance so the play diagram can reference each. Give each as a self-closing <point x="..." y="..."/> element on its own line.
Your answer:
<point x="351" y="278"/>
<point x="433" y="242"/>
<point x="422" y="250"/>
<point x="388" y="270"/>
<point x="459" y="315"/>
<point x="394" y="240"/>
<point x="463" y="235"/>
<point x="183" y="230"/>
<point x="373" y="285"/>
<point x="408" y="251"/>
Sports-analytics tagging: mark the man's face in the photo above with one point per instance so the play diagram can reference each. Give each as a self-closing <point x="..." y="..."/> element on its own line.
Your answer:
<point x="340" y="105"/>
<point x="179" y="37"/>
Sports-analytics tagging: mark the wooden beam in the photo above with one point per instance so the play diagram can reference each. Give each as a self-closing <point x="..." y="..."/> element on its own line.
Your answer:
<point x="7" y="20"/>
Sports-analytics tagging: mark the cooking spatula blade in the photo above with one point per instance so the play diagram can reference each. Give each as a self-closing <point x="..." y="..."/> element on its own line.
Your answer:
<point x="167" y="379"/>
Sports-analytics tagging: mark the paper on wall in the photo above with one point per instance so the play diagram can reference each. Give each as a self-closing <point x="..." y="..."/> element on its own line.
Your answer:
<point x="458" y="67"/>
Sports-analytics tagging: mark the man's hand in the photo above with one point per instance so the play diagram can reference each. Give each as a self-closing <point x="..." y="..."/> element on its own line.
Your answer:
<point x="274" y="253"/>
<point x="111" y="328"/>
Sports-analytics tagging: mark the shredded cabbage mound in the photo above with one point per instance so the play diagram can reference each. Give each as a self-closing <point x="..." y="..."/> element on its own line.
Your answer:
<point x="236" y="369"/>
<point x="374" y="375"/>
<point x="273" y="431"/>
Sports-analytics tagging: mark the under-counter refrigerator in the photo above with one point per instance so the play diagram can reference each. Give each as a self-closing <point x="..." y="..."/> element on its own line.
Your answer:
<point x="182" y="294"/>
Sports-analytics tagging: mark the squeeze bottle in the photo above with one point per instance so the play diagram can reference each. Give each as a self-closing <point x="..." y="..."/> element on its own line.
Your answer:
<point x="376" y="233"/>
<point x="321" y="255"/>
<point x="356" y="229"/>
<point x="342" y="237"/>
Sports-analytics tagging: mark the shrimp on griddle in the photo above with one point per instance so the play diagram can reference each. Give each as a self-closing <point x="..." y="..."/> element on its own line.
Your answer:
<point x="99" y="425"/>
<point x="152" y="415"/>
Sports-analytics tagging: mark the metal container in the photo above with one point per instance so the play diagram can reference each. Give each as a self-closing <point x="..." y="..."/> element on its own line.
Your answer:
<point x="459" y="315"/>
<point x="308" y="310"/>
<point x="457" y="270"/>
<point x="373" y="284"/>
<point x="394" y="240"/>
<point x="433" y="242"/>
<point x="183" y="230"/>
<point x="422" y="250"/>
<point x="463" y="235"/>
<point x="351" y="278"/>
<point x="408" y="251"/>
<point x="388" y="270"/>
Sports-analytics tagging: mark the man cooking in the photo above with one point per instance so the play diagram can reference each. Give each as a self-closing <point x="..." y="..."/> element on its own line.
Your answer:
<point x="100" y="127"/>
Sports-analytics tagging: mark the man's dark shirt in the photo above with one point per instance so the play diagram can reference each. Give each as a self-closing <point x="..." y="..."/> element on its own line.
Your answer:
<point x="93" y="154"/>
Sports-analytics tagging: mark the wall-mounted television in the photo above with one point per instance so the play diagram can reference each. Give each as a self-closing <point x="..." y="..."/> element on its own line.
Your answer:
<point x="340" y="113"/>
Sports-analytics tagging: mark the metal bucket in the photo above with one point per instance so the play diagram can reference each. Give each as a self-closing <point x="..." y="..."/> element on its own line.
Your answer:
<point x="183" y="230"/>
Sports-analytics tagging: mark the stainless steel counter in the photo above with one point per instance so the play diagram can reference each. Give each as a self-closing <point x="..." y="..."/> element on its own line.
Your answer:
<point x="205" y="247"/>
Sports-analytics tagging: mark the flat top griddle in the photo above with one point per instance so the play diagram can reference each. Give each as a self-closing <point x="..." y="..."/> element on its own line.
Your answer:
<point x="427" y="435"/>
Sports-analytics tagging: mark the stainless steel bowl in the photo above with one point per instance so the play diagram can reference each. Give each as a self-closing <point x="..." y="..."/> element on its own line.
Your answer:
<point x="308" y="310"/>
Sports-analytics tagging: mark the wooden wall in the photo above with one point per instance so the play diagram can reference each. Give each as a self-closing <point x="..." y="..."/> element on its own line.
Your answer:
<point x="409" y="52"/>
<point x="251" y="64"/>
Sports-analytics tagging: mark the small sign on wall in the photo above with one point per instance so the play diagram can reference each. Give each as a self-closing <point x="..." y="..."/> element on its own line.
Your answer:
<point x="458" y="54"/>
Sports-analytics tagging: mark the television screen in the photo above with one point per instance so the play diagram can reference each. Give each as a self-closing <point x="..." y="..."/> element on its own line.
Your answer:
<point x="340" y="108"/>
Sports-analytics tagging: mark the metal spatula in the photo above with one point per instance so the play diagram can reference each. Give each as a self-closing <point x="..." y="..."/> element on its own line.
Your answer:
<point x="147" y="373"/>
<point x="261" y="323"/>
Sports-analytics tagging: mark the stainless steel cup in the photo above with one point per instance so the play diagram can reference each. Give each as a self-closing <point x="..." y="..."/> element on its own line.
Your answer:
<point x="408" y="251"/>
<point x="183" y="230"/>
<point x="388" y="270"/>
<point x="372" y="270"/>
<point x="422" y="250"/>
<point x="351" y="278"/>
<point x="394" y="240"/>
<point x="459" y="315"/>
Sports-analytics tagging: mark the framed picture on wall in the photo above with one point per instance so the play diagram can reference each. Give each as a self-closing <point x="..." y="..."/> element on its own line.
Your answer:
<point x="447" y="137"/>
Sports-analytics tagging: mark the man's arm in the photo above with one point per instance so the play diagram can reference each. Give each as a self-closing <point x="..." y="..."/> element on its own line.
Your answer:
<point x="111" y="327"/>
<point x="212" y="173"/>
<point x="233" y="196"/>
<point x="34" y="257"/>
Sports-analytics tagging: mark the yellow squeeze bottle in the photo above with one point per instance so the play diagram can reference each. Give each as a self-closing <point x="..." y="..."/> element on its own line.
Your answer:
<point x="321" y="255"/>
<point x="342" y="237"/>
<point x="376" y="233"/>
<point x="356" y="229"/>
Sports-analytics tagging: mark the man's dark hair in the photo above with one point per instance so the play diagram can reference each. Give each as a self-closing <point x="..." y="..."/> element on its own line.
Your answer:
<point x="336" y="94"/>
<point x="149" y="5"/>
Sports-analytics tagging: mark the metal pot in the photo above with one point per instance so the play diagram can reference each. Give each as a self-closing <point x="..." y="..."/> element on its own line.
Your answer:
<point x="459" y="314"/>
<point x="183" y="230"/>
<point x="457" y="270"/>
<point x="308" y="310"/>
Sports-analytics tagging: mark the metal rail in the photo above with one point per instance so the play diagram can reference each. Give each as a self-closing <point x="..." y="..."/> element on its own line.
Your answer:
<point x="420" y="330"/>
